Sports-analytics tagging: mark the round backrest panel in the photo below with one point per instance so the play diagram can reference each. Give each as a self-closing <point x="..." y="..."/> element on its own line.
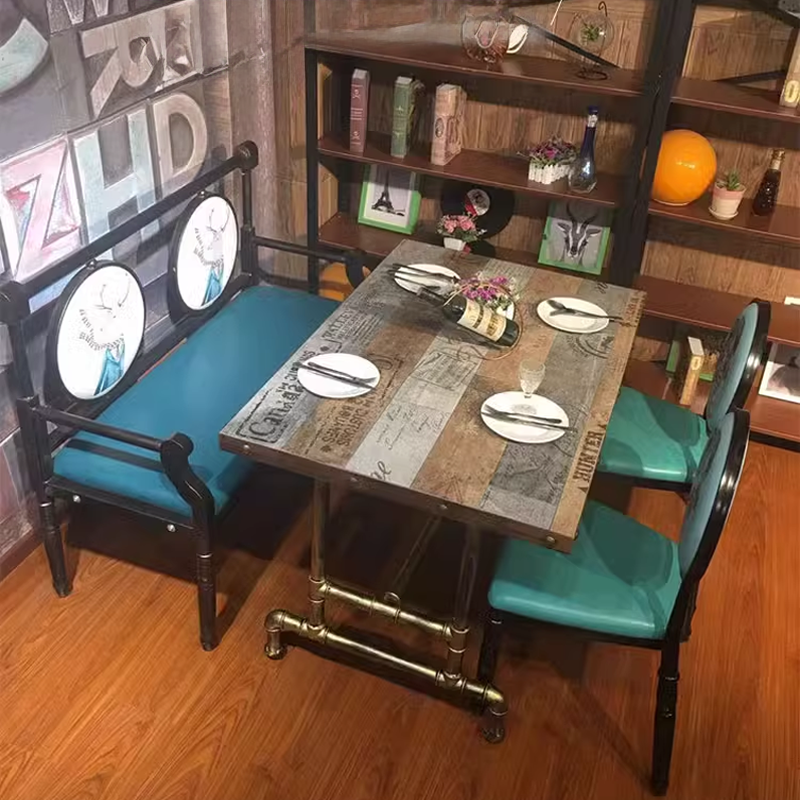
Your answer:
<point x="100" y="330"/>
<point x="205" y="251"/>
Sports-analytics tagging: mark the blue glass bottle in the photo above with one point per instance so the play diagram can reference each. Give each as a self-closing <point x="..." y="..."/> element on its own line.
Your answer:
<point x="583" y="175"/>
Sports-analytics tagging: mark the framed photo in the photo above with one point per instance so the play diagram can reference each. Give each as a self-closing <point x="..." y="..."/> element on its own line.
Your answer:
<point x="781" y="378"/>
<point x="576" y="236"/>
<point x="389" y="199"/>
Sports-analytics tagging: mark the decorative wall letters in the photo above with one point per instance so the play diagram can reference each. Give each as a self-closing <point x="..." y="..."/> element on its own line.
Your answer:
<point x="133" y="57"/>
<point x="39" y="208"/>
<point x="99" y="120"/>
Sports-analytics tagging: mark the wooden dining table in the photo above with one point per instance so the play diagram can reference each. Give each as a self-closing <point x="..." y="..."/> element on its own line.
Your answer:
<point x="418" y="439"/>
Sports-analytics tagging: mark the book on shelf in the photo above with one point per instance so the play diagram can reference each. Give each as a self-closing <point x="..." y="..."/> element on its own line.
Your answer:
<point x="359" y="108"/>
<point x="713" y="342"/>
<point x="790" y="95"/>
<point x="407" y="93"/>
<point x="448" y="122"/>
<point x="689" y="369"/>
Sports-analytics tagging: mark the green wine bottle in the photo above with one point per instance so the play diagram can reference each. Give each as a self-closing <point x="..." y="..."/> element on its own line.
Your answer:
<point x="476" y="317"/>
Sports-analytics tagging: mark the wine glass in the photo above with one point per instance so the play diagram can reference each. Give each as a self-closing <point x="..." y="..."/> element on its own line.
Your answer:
<point x="531" y="375"/>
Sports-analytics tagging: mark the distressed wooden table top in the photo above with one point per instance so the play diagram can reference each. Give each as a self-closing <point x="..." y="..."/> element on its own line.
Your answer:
<point x="418" y="437"/>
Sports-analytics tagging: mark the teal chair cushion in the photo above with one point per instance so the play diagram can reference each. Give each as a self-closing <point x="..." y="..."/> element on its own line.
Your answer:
<point x="648" y="438"/>
<point x="197" y="390"/>
<point x="621" y="578"/>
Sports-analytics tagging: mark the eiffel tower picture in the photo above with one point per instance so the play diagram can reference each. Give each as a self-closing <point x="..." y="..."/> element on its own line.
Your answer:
<point x="384" y="202"/>
<point x="389" y="199"/>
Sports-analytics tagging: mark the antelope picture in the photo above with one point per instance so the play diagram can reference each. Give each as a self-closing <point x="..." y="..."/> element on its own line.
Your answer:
<point x="576" y="237"/>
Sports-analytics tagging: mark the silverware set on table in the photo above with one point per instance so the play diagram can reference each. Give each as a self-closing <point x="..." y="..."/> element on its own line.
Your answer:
<point x="425" y="278"/>
<point x="560" y="308"/>
<point x="336" y="374"/>
<point x="422" y="277"/>
<point x="551" y="423"/>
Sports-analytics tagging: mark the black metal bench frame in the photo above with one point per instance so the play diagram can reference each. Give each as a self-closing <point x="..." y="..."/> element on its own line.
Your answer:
<point x="37" y="418"/>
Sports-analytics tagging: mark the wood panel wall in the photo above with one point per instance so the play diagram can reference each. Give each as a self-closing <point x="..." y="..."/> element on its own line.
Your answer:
<point x="724" y="42"/>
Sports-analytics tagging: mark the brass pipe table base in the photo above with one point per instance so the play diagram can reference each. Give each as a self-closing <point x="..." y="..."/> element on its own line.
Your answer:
<point x="451" y="681"/>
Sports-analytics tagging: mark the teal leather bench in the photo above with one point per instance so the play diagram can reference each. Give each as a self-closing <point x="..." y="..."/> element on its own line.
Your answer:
<point x="138" y="428"/>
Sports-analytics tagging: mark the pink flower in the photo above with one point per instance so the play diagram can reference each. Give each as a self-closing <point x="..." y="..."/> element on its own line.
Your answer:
<point x="449" y="225"/>
<point x="466" y="224"/>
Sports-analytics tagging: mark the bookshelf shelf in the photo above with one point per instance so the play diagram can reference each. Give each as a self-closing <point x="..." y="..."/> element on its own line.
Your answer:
<point x="782" y="226"/>
<point x="776" y="419"/>
<point x="490" y="169"/>
<point x="371" y="46"/>
<point x="712" y="309"/>
<point x="743" y="100"/>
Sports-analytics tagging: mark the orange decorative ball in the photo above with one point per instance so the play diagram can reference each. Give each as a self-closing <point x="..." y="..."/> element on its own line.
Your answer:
<point x="686" y="167"/>
<point x="334" y="283"/>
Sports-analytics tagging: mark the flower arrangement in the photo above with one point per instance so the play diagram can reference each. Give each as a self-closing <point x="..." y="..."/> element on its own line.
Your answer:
<point x="551" y="160"/>
<point x="497" y="292"/>
<point x="458" y="230"/>
<point x="459" y="226"/>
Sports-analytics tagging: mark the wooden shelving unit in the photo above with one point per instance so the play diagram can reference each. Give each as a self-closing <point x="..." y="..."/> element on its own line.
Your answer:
<point x="715" y="310"/>
<point x="732" y="99"/>
<point x="776" y="419"/>
<point x="669" y="300"/>
<point x="782" y="226"/>
<point x="342" y="231"/>
<point x="370" y="46"/>
<point x="490" y="169"/>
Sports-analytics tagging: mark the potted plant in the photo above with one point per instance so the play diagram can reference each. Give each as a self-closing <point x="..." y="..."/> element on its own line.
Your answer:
<point x="458" y="230"/>
<point x="727" y="195"/>
<point x="551" y="160"/>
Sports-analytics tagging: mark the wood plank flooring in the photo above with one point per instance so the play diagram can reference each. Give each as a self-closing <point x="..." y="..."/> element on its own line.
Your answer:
<point x="107" y="694"/>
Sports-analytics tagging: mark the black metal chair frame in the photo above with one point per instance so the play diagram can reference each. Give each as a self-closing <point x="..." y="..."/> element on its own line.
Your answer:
<point x="678" y="627"/>
<point x="66" y="418"/>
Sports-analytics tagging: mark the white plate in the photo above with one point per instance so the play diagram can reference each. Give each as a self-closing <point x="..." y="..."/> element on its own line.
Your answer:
<point x="568" y="322"/>
<point x="434" y="269"/>
<point x="338" y="390"/>
<point x="522" y="432"/>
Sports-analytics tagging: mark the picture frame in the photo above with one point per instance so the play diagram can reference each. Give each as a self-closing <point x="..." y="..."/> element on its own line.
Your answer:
<point x="576" y="236"/>
<point x="781" y="378"/>
<point x="390" y="199"/>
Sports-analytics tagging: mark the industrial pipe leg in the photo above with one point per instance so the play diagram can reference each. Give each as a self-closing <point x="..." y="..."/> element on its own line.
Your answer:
<point x="316" y="578"/>
<point x="466" y="583"/>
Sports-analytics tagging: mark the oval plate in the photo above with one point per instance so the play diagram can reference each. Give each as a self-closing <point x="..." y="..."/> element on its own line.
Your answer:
<point x="569" y="323"/>
<point x="522" y="432"/>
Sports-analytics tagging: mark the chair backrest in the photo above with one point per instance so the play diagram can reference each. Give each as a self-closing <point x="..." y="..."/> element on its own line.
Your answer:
<point x="739" y="361"/>
<point x="712" y="494"/>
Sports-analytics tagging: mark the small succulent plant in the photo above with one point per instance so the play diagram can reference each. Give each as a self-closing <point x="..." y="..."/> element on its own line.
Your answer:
<point x="730" y="181"/>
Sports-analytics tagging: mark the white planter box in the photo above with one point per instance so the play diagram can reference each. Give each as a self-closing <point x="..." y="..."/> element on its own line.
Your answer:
<point x="548" y="174"/>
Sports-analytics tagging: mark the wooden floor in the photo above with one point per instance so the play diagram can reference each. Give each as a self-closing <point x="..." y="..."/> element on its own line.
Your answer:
<point x="107" y="694"/>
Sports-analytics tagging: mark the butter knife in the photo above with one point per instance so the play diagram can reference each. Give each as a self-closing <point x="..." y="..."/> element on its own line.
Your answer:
<point x="330" y="372"/>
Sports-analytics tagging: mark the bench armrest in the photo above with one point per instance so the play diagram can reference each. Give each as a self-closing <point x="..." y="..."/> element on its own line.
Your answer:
<point x="92" y="426"/>
<point x="173" y="453"/>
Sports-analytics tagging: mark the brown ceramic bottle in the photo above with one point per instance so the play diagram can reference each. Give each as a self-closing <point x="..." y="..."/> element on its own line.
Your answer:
<point x="767" y="196"/>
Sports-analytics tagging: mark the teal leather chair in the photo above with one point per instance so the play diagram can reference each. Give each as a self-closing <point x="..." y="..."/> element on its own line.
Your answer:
<point x="624" y="582"/>
<point x="653" y="442"/>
